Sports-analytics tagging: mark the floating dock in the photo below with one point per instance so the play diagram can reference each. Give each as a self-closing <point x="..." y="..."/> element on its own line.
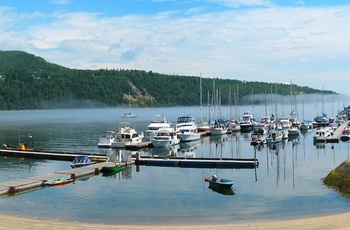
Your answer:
<point x="336" y="134"/>
<point x="48" y="155"/>
<point x="197" y="162"/>
<point x="33" y="183"/>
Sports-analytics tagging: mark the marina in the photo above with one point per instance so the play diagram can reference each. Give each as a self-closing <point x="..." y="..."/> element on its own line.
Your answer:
<point x="285" y="174"/>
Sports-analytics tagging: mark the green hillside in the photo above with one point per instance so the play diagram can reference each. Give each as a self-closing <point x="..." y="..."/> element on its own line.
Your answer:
<point x="30" y="82"/>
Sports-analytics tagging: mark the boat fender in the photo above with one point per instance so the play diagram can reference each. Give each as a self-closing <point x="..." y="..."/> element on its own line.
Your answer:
<point x="207" y="179"/>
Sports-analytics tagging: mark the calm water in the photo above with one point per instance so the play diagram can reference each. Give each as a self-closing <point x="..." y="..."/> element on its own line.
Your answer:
<point x="287" y="183"/>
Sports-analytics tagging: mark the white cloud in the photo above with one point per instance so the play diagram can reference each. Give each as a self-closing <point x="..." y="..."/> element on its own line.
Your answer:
<point x="239" y="3"/>
<point x="265" y="44"/>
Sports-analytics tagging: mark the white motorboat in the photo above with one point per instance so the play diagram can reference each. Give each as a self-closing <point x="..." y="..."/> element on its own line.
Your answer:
<point x="219" y="129"/>
<point x="247" y="122"/>
<point x="165" y="137"/>
<point x="186" y="127"/>
<point x="127" y="135"/>
<point x="107" y="138"/>
<point x="293" y="131"/>
<point x="158" y="122"/>
<point x="322" y="134"/>
<point x="233" y="126"/>
<point x="275" y="136"/>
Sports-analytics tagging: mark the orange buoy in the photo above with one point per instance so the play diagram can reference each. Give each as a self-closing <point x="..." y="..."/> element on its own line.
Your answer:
<point x="207" y="179"/>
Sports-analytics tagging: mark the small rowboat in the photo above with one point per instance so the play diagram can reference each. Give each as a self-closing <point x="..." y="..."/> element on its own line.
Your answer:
<point x="214" y="182"/>
<point x="58" y="181"/>
<point x="109" y="171"/>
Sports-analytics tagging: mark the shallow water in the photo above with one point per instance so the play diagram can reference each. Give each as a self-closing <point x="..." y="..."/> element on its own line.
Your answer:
<point x="287" y="183"/>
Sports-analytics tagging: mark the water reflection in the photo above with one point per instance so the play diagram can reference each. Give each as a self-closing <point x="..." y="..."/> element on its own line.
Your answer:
<point x="223" y="191"/>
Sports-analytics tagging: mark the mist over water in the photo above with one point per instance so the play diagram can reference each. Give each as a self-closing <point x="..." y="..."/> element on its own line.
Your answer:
<point x="287" y="183"/>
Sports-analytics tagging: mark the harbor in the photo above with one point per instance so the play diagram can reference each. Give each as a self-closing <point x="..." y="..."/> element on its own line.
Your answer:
<point x="287" y="172"/>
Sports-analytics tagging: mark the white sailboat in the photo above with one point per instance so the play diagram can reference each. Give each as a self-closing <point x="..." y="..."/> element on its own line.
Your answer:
<point x="129" y="114"/>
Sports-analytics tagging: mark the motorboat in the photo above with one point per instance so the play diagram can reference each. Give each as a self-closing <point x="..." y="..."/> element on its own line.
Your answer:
<point x="107" y="138"/>
<point x="293" y="131"/>
<point x="345" y="135"/>
<point x="306" y="125"/>
<point x="219" y="129"/>
<point x="203" y="127"/>
<point x="322" y="134"/>
<point x="80" y="161"/>
<point x="165" y="137"/>
<point x="126" y="136"/>
<point x="233" y="126"/>
<point x="247" y="122"/>
<point x="158" y="122"/>
<point x="274" y="136"/>
<point x="285" y="123"/>
<point x="186" y="128"/>
<point x="214" y="181"/>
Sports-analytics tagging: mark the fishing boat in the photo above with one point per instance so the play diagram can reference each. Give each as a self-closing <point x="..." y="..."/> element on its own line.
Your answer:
<point x="215" y="182"/>
<point x="58" y="181"/>
<point x="81" y="161"/>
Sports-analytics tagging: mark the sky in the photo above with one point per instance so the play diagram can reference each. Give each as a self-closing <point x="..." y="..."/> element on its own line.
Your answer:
<point x="306" y="42"/>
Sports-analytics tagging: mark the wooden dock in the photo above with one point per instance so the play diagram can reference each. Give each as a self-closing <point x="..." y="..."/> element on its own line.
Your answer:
<point x="48" y="155"/>
<point x="39" y="181"/>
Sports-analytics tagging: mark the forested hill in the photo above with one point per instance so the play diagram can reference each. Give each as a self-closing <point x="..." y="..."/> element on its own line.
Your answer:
<point x="30" y="82"/>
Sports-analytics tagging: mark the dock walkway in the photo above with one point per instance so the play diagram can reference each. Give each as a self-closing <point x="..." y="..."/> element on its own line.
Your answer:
<point x="39" y="181"/>
<point x="336" y="134"/>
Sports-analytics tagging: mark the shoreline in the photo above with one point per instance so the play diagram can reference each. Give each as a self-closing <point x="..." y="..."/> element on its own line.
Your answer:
<point x="333" y="221"/>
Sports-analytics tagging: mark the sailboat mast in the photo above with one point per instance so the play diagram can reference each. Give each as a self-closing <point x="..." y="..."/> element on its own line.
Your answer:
<point x="200" y="96"/>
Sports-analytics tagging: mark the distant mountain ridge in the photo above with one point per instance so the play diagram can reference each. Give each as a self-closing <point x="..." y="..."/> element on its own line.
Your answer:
<point x="30" y="82"/>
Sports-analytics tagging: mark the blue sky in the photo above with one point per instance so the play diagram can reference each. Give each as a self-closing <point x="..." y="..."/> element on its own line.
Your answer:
<point x="307" y="42"/>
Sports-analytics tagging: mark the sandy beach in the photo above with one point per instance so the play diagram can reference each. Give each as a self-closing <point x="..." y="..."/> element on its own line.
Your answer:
<point x="337" y="221"/>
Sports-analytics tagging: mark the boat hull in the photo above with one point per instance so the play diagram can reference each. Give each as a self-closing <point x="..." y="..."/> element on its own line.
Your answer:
<point x="222" y="183"/>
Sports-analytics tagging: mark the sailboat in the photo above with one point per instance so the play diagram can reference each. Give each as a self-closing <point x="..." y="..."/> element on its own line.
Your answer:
<point x="129" y="114"/>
